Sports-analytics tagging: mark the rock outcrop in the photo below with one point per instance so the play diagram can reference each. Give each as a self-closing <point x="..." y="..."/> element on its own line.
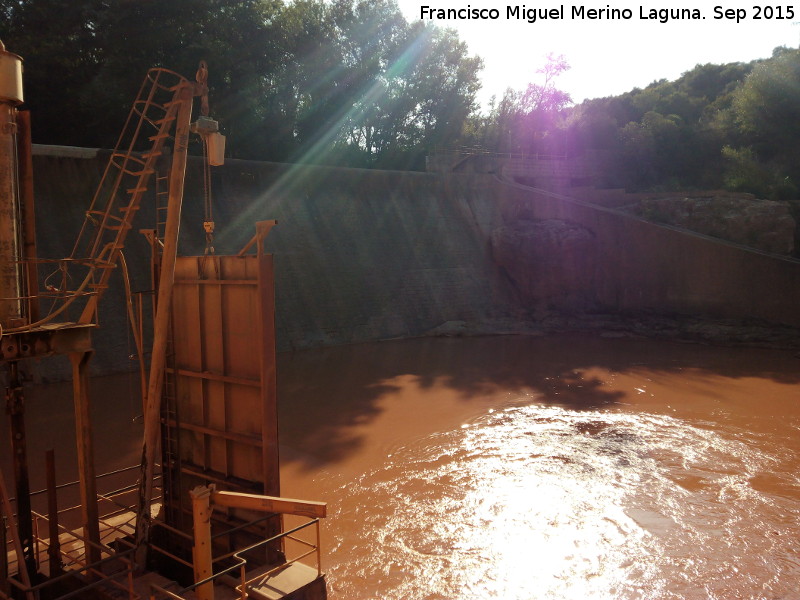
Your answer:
<point x="762" y="224"/>
<point x="551" y="263"/>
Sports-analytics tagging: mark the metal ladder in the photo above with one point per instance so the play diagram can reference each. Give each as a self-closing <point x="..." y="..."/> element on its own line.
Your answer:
<point x="126" y="179"/>
<point x="162" y="204"/>
<point x="171" y="445"/>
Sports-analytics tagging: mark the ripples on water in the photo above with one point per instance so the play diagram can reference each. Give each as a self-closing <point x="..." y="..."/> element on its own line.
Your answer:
<point x="530" y="501"/>
<point x="546" y="502"/>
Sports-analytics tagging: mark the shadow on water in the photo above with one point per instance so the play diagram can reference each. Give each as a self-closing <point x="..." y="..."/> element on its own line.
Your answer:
<point x="326" y="394"/>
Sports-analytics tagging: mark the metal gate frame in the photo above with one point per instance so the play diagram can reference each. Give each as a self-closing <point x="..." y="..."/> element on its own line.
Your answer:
<point x="219" y="424"/>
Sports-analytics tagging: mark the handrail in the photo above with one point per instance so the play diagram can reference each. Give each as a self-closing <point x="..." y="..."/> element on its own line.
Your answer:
<point x="241" y="563"/>
<point x="74" y="559"/>
<point x="275" y="504"/>
<point x="92" y="568"/>
<point x="262" y="576"/>
<point x="62" y="486"/>
<point x="466" y="151"/>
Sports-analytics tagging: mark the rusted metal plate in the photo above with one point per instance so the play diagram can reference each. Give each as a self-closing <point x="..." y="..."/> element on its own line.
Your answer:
<point x="223" y="414"/>
<point x="55" y="338"/>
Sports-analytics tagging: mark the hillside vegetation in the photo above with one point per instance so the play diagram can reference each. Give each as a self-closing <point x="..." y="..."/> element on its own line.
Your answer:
<point x="351" y="82"/>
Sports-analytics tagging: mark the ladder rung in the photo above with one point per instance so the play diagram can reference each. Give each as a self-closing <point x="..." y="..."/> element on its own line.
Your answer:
<point x="138" y="173"/>
<point x="137" y="190"/>
<point x="101" y="213"/>
<point x="144" y="104"/>
<point x="127" y="157"/>
<point x="159" y="136"/>
<point x="129" y="209"/>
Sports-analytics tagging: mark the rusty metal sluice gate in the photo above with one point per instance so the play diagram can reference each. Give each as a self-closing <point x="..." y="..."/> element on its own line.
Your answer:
<point x="206" y="510"/>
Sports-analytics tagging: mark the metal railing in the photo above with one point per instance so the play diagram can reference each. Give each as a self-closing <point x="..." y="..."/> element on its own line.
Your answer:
<point x="65" y="555"/>
<point x="477" y="151"/>
<point x="73" y="565"/>
<point x="245" y="582"/>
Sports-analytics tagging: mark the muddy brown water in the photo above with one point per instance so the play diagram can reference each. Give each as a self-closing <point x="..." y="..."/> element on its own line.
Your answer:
<point x="559" y="467"/>
<point x="564" y="467"/>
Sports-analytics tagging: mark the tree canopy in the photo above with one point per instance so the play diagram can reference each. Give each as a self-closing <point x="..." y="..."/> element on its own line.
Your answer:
<point x="348" y="81"/>
<point x="351" y="82"/>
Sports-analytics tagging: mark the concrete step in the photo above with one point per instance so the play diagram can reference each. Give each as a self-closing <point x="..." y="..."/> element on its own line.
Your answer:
<point x="284" y="582"/>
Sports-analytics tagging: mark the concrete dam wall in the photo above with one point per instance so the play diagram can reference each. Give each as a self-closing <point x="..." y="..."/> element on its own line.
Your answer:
<point x="364" y="255"/>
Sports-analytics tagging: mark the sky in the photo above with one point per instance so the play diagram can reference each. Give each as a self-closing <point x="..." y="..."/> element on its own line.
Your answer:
<point x="612" y="56"/>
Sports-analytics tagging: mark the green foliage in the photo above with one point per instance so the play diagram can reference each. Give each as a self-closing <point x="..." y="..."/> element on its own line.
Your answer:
<point x="351" y="82"/>
<point x="669" y="134"/>
<point x="745" y="172"/>
<point x="767" y="105"/>
<point x="529" y="121"/>
<point x="342" y="82"/>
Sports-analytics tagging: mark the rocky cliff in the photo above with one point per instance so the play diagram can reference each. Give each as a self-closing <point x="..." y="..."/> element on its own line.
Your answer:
<point x="761" y="224"/>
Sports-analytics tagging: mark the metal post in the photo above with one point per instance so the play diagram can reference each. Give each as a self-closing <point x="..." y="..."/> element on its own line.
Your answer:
<point x="54" y="547"/>
<point x="269" y="425"/>
<point x="201" y="551"/>
<point x="85" y="445"/>
<point x="10" y="292"/>
<point x="15" y="405"/>
<point x="25" y="160"/>
<point x="5" y="507"/>
<point x="152" y="416"/>
<point x="4" y="585"/>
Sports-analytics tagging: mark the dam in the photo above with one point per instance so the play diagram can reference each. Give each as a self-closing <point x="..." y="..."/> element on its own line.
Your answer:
<point x="364" y="255"/>
<point x="552" y="464"/>
<point x="468" y="354"/>
<point x="502" y="381"/>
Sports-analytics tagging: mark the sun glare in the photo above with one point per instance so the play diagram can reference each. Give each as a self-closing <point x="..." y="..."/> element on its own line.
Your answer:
<point x="612" y="55"/>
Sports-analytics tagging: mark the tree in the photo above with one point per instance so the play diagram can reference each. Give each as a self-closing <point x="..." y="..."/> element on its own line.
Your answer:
<point x="531" y="120"/>
<point x="766" y="109"/>
<point x="57" y="42"/>
<point x="767" y="105"/>
<point x="342" y="82"/>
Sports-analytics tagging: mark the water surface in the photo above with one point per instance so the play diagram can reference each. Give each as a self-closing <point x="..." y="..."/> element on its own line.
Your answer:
<point x="559" y="467"/>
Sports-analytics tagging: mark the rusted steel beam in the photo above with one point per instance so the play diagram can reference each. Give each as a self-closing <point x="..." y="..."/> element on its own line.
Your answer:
<point x="242" y="438"/>
<point x="5" y="587"/>
<point x="5" y="507"/>
<point x="15" y="406"/>
<point x="267" y="367"/>
<point x="201" y="551"/>
<point x="25" y="169"/>
<point x="262" y="230"/>
<point x="85" y="446"/>
<point x="10" y="291"/>
<point x="54" y="547"/>
<point x="46" y="341"/>
<point x="216" y="477"/>
<point x="216" y="377"/>
<point x="270" y="504"/>
<point x="152" y="417"/>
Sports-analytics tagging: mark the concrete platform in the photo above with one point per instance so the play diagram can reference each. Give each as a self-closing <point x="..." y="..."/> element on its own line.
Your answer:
<point x="294" y="581"/>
